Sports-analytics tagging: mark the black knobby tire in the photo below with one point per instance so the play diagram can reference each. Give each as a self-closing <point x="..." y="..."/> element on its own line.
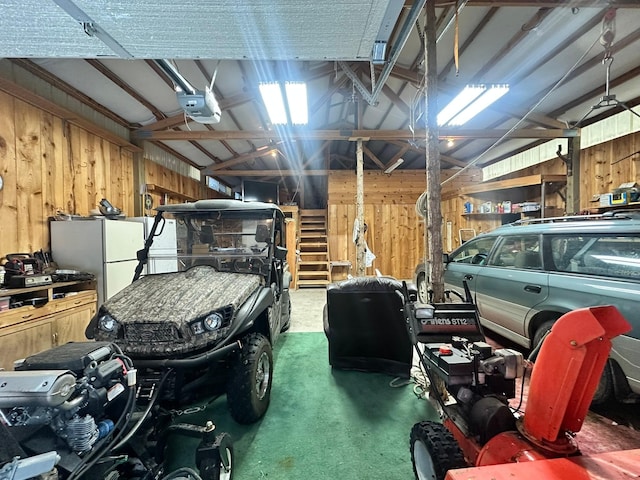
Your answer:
<point x="219" y="463"/>
<point x="249" y="388"/>
<point x="434" y="451"/>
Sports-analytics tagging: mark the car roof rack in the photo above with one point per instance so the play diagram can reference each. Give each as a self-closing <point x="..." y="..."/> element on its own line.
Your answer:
<point x="611" y="215"/>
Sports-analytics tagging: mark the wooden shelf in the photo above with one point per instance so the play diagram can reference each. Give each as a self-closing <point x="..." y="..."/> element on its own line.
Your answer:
<point x="528" y="181"/>
<point x="495" y="214"/>
<point x="626" y="206"/>
<point x="158" y="189"/>
<point x="9" y="292"/>
<point x="29" y="329"/>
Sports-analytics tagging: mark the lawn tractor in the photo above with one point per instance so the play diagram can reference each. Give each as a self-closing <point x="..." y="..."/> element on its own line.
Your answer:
<point x="471" y="383"/>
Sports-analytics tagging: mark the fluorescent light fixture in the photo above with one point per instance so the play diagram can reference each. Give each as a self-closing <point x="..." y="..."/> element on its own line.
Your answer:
<point x="468" y="103"/>
<point x="272" y="98"/>
<point x="395" y="165"/>
<point x="464" y="98"/>
<point x="297" y="101"/>
<point x="296" y="96"/>
<point x="482" y="102"/>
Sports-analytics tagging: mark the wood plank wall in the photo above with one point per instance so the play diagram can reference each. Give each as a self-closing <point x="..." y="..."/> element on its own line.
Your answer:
<point x="395" y="232"/>
<point x="180" y="188"/>
<point x="50" y="166"/>
<point x="603" y="168"/>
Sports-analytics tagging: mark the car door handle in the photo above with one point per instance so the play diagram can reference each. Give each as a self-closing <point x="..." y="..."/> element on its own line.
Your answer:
<point x="533" y="288"/>
<point x="468" y="277"/>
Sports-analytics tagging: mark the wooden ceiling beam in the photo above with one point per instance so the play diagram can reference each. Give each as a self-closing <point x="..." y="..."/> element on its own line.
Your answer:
<point x="537" y="18"/>
<point x="271" y="173"/>
<point x="373" y="157"/>
<point x="352" y="135"/>
<point x="396" y="100"/>
<point x="470" y="39"/>
<point x="65" y="114"/>
<point x="56" y="82"/>
<point x="128" y="89"/>
<point x="240" y="159"/>
<point x="288" y="173"/>
<point x="327" y="95"/>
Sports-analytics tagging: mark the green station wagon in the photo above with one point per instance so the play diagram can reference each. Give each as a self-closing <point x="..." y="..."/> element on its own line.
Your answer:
<point x="525" y="275"/>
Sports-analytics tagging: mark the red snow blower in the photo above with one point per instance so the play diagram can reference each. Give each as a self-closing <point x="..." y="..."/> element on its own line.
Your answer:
<point x="471" y="384"/>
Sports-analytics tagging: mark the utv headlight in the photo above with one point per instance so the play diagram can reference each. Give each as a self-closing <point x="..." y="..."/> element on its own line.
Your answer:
<point x="107" y="323"/>
<point x="213" y="321"/>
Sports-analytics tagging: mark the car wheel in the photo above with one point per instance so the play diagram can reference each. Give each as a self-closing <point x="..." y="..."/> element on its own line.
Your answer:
<point x="423" y="289"/>
<point x="220" y="465"/>
<point x="604" y="391"/>
<point x="434" y="451"/>
<point x="249" y="388"/>
<point x="541" y="332"/>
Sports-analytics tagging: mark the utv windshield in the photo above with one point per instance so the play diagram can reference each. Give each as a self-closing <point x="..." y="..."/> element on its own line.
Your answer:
<point x="229" y="241"/>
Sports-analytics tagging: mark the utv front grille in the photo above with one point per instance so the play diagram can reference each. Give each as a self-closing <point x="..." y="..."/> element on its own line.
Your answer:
<point x="151" y="332"/>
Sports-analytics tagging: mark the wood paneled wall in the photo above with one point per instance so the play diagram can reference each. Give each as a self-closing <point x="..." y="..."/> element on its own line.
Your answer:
<point x="603" y="168"/>
<point x="171" y="187"/>
<point x="606" y="166"/>
<point x="395" y="232"/>
<point x="51" y="166"/>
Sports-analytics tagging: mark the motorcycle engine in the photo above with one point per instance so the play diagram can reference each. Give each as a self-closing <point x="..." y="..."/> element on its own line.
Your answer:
<point x="72" y="392"/>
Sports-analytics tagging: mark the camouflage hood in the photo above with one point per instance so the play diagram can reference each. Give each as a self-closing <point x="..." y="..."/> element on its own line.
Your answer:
<point x="180" y="297"/>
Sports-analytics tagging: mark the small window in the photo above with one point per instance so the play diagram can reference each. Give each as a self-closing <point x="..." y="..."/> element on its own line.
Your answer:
<point x="608" y="256"/>
<point x="474" y="251"/>
<point x="518" y="252"/>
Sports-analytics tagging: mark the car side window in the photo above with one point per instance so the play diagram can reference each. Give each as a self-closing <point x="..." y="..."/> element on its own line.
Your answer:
<point x="474" y="251"/>
<point x="518" y="252"/>
<point x="615" y="256"/>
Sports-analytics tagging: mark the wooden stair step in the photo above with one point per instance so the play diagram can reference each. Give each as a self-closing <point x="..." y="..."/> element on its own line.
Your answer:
<point x="313" y="282"/>
<point x="313" y="211"/>
<point x="307" y="228"/>
<point x="313" y="235"/>
<point x="312" y="262"/>
<point x="313" y="244"/>
<point x="313" y="273"/>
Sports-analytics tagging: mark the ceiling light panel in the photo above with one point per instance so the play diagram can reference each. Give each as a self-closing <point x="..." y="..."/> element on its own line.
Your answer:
<point x="492" y="94"/>
<point x="272" y="97"/>
<point x="297" y="102"/>
<point x="464" y="98"/>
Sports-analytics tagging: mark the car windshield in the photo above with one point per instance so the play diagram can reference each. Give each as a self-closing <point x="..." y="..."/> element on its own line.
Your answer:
<point x="229" y="241"/>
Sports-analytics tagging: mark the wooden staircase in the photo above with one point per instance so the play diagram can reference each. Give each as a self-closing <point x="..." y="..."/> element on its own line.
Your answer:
<point x="313" y="245"/>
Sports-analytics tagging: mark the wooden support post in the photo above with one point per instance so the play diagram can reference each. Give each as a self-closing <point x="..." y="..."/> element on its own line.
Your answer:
<point x="573" y="177"/>
<point x="433" y="222"/>
<point x="360" y="254"/>
<point x="139" y="179"/>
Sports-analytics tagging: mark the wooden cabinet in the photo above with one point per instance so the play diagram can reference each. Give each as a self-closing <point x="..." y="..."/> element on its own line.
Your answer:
<point x="62" y="318"/>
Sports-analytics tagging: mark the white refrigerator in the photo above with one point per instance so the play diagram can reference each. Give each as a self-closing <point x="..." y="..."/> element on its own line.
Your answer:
<point x="163" y="254"/>
<point x="105" y="248"/>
